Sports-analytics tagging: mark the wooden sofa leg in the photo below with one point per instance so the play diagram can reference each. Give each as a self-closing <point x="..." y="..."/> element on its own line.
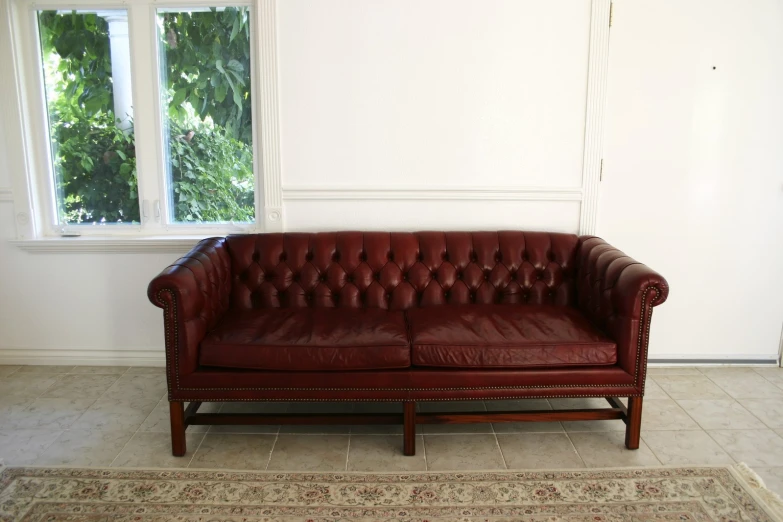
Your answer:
<point x="177" y="411"/>
<point x="633" y="429"/>
<point x="409" y="428"/>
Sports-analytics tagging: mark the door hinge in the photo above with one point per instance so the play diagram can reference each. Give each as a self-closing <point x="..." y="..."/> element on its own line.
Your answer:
<point x="611" y="12"/>
<point x="601" y="171"/>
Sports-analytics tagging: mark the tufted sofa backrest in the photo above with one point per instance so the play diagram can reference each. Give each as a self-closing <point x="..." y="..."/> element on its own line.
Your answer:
<point x="401" y="270"/>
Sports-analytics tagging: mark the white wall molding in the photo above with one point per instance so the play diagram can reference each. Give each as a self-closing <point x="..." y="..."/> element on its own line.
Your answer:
<point x="594" y="118"/>
<point x="490" y="193"/>
<point x="6" y="194"/>
<point x="268" y="107"/>
<point x="83" y="356"/>
<point x="14" y="96"/>
<point x="107" y="245"/>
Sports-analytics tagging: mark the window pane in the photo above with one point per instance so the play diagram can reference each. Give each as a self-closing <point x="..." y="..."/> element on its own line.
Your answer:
<point x="86" y="68"/>
<point x="205" y="81"/>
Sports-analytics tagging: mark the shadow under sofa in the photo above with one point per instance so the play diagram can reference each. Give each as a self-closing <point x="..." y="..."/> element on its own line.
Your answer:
<point x="406" y="317"/>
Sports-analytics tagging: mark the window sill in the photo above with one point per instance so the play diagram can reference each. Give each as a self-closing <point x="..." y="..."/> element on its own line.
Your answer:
<point x="110" y="245"/>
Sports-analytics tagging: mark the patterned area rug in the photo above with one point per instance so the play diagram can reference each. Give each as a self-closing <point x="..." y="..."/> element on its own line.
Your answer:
<point x="646" y="495"/>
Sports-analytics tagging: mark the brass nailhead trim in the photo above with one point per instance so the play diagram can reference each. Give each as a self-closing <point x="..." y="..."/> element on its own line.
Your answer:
<point x="510" y="397"/>
<point x="424" y="389"/>
<point x="646" y="338"/>
<point x="169" y="318"/>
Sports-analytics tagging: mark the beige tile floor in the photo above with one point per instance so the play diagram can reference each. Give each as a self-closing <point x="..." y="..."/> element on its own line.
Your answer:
<point x="92" y="416"/>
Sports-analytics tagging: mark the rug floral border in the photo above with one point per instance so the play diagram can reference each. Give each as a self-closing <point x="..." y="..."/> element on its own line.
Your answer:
<point x="68" y="494"/>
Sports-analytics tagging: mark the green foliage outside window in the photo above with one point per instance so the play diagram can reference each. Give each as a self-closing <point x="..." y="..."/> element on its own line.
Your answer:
<point x="207" y="59"/>
<point x="209" y="127"/>
<point x="94" y="160"/>
<point x="212" y="173"/>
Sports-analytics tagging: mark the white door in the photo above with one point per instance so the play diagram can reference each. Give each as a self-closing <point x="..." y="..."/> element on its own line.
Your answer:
<point x="693" y="170"/>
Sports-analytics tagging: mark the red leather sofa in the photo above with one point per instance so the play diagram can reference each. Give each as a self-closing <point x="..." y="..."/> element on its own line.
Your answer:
<point x="426" y="316"/>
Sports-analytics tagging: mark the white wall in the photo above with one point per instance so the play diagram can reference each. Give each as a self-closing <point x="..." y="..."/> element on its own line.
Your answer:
<point x="434" y="95"/>
<point x="693" y="171"/>
<point x="77" y="308"/>
<point x="429" y="97"/>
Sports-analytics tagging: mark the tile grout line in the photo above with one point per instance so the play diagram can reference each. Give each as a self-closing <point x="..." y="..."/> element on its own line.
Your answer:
<point x="568" y="436"/>
<point x="754" y="415"/>
<point x="648" y="376"/>
<point x="348" y="452"/>
<point x="495" y="435"/>
<point x="738" y="399"/>
<point x="655" y="456"/>
<point x="424" y="451"/>
<point x="48" y="446"/>
<point x="497" y="443"/>
<point x="132" y="436"/>
<point x="678" y="404"/>
<point x="104" y="392"/>
<point x="197" y="448"/>
<point x="62" y="430"/>
<point x="721" y="446"/>
<point x="111" y="464"/>
<point x="70" y="426"/>
<point x="220" y="410"/>
<point x="777" y="385"/>
<point x="272" y="449"/>
<point x="426" y="460"/>
<point x="59" y="378"/>
<point x="641" y="438"/>
<point x="137" y="427"/>
<point x="713" y="381"/>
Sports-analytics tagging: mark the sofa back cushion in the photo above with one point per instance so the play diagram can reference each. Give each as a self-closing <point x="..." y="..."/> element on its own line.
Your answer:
<point x="401" y="270"/>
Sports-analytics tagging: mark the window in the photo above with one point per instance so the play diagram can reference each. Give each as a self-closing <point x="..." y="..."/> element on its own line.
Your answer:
<point x="144" y="138"/>
<point x="86" y="71"/>
<point x="205" y="82"/>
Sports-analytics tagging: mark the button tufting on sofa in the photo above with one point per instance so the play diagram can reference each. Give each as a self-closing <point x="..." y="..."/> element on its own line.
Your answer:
<point x="475" y="325"/>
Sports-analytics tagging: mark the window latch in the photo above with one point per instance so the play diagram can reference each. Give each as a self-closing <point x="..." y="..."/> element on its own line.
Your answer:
<point x="145" y="209"/>
<point x="157" y="210"/>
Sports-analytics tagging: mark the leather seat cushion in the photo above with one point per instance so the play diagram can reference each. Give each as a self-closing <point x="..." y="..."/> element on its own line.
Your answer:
<point x="308" y="339"/>
<point x="506" y="336"/>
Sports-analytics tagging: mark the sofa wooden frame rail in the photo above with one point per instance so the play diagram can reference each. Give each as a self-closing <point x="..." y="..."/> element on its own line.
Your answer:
<point x="182" y="417"/>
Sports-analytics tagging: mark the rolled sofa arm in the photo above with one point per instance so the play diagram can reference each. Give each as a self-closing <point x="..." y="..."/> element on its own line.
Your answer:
<point x="194" y="293"/>
<point x="617" y="294"/>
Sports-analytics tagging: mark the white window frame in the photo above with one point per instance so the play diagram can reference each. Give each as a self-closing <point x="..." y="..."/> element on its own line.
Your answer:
<point x="34" y="187"/>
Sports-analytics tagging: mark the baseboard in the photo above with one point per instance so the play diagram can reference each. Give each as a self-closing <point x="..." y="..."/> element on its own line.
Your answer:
<point x="83" y="357"/>
<point x="730" y="360"/>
